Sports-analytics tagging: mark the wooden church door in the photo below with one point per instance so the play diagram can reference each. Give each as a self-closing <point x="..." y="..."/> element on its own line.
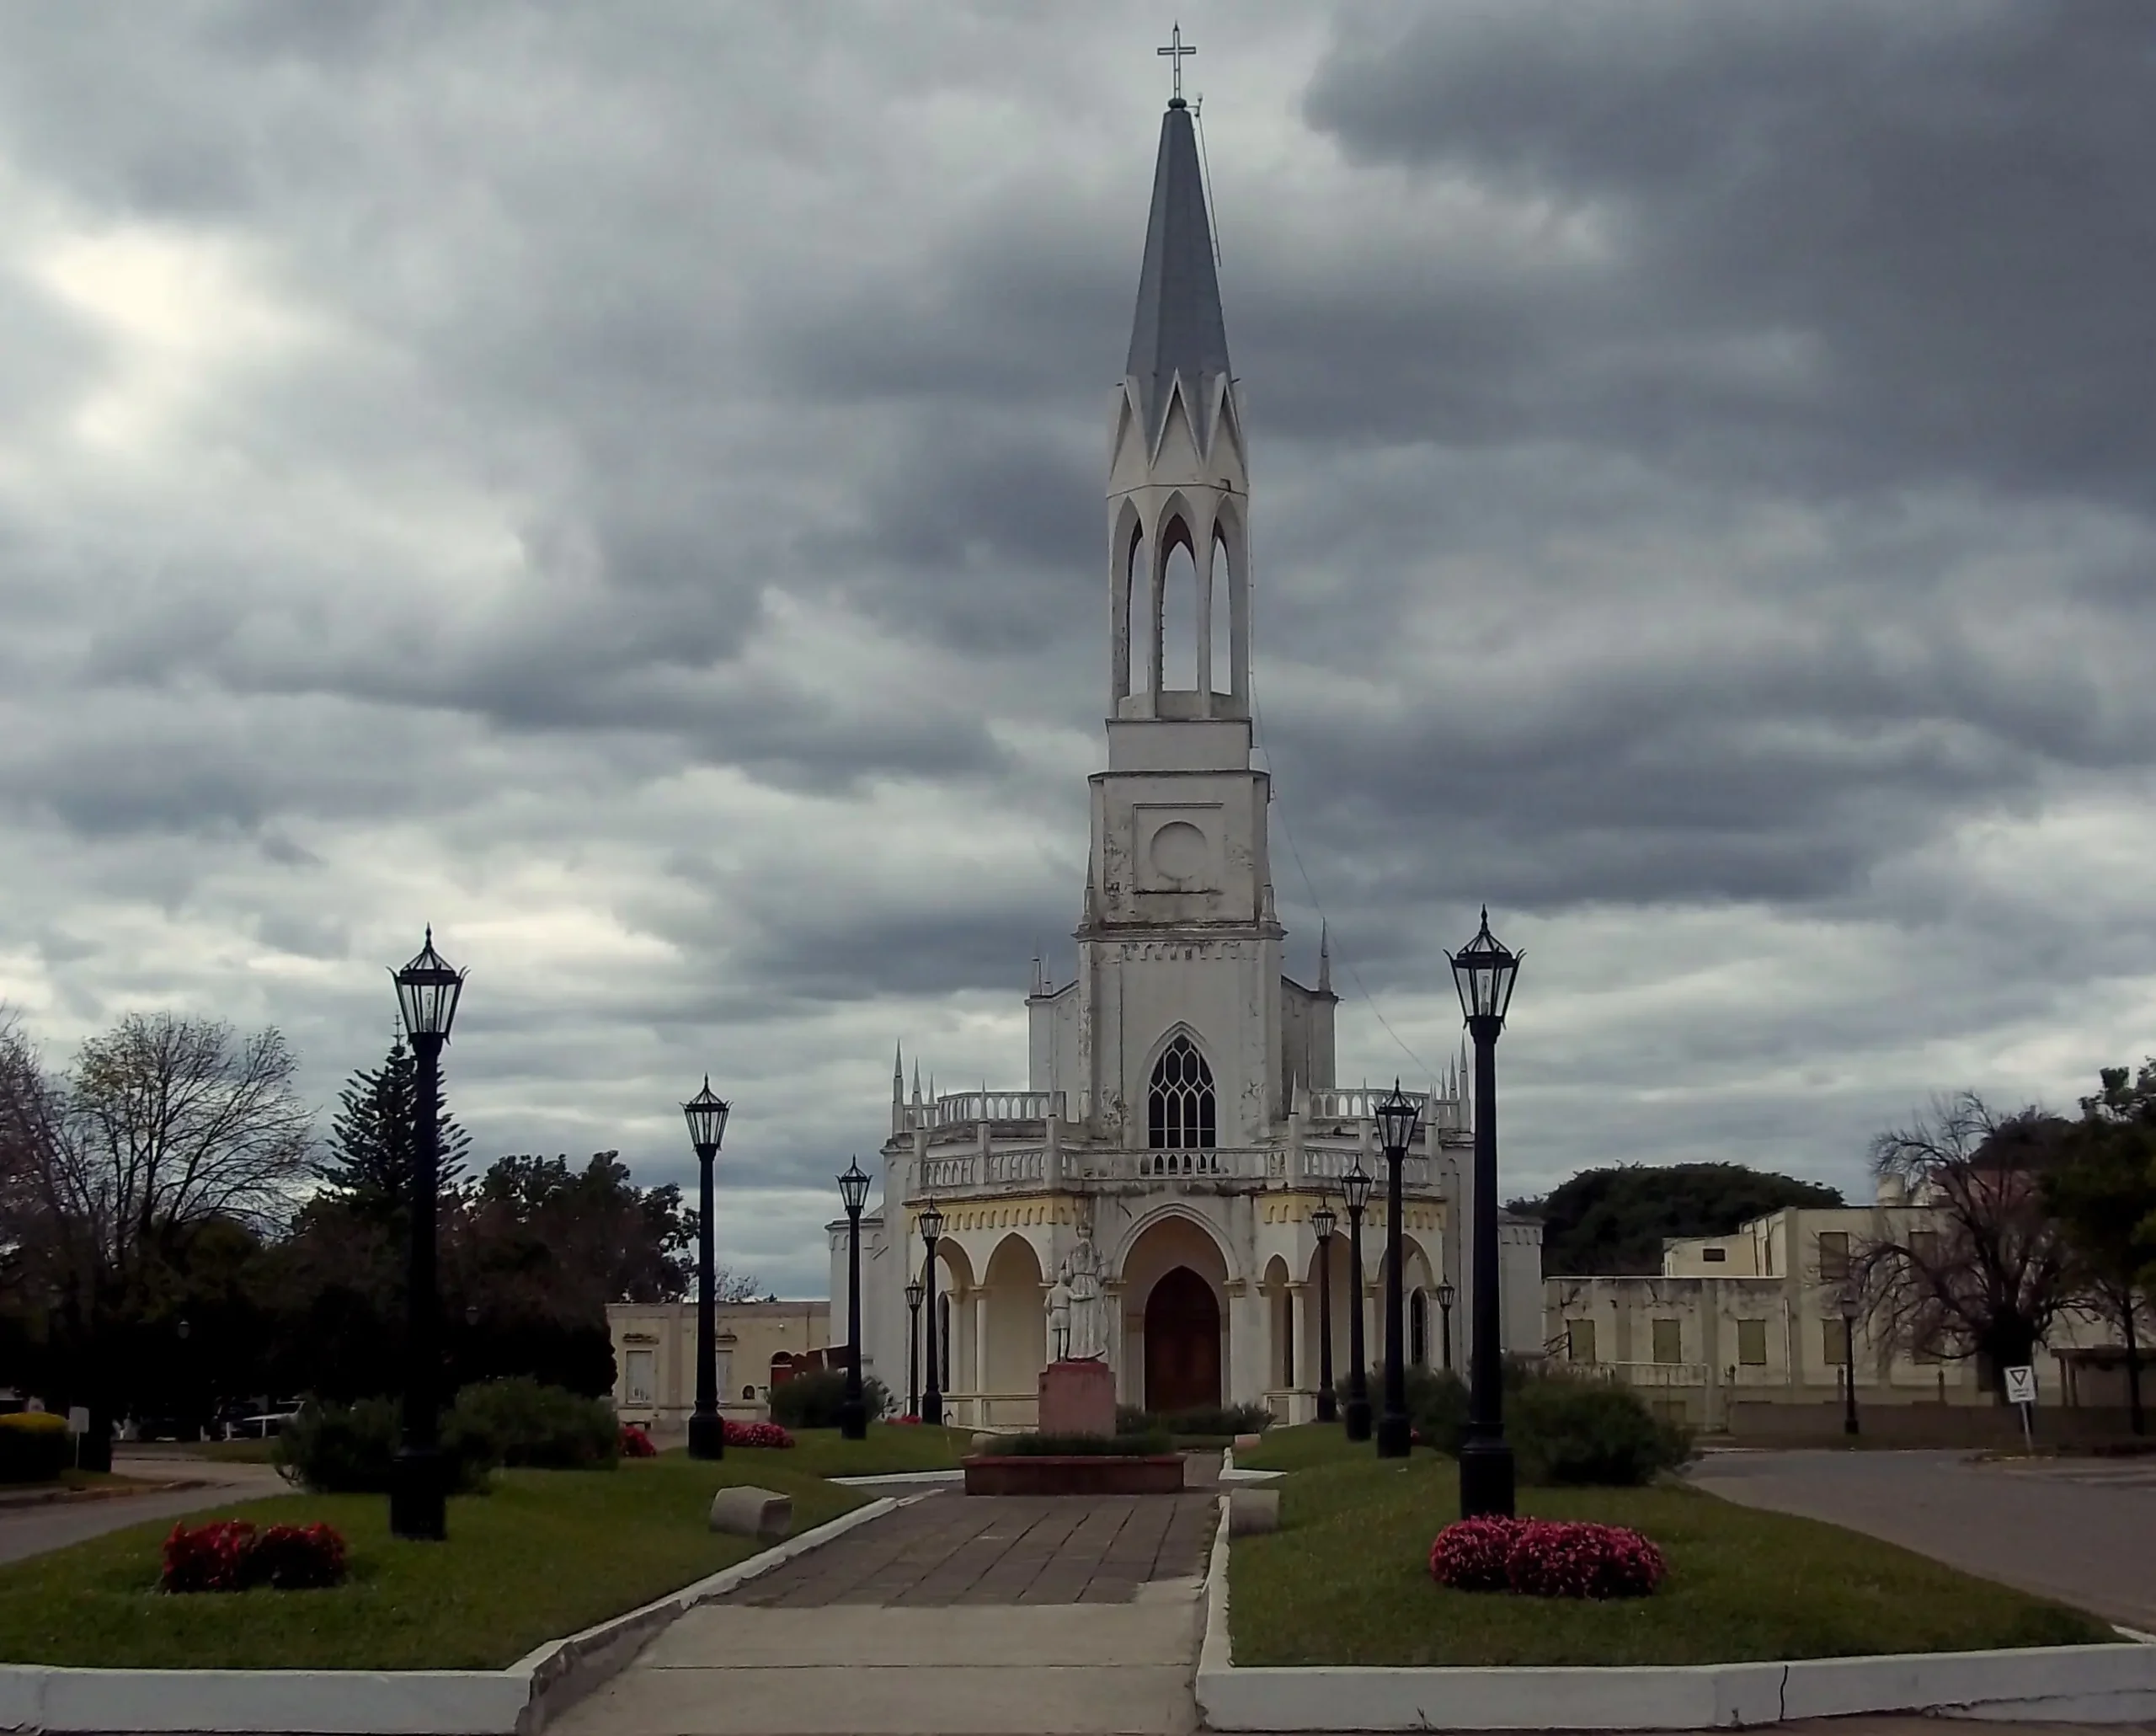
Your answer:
<point x="1182" y="1344"/>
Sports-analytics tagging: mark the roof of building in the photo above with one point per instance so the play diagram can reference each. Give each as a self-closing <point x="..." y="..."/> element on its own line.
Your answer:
<point x="1178" y="329"/>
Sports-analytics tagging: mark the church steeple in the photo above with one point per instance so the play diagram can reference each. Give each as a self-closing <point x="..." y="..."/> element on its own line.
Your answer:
<point x="1178" y="483"/>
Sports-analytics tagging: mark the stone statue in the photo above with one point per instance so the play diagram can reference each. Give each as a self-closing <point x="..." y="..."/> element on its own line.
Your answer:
<point x="1058" y="1315"/>
<point x="1089" y="1339"/>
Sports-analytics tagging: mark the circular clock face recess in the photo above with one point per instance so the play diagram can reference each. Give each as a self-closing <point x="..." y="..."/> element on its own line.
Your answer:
<point x="1178" y="851"/>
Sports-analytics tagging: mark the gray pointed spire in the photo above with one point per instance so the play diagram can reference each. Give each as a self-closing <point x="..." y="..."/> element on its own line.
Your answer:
<point x="1177" y="331"/>
<point x="898" y="1073"/>
<point x="1324" y="959"/>
<point x="916" y="1078"/>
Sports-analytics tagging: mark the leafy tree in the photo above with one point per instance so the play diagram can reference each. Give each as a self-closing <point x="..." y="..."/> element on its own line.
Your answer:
<point x="374" y="1141"/>
<point x="113" y="1172"/>
<point x="1985" y="1272"/>
<point x="2104" y="1196"/>
<point x="1614" y="1220"/>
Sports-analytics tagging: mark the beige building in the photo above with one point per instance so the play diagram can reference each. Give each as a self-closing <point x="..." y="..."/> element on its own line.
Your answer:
<point x="1745" y="1332"/>
<point x="759" y="1344"/>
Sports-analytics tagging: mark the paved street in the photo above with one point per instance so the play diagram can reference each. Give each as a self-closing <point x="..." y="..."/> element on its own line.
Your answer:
<point x="961" y="1615"/>
<point x="2081" y="1531"/>
<point x="32" y="1530"/>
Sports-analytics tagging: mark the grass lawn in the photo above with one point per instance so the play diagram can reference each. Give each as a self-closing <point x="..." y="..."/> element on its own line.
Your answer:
<point x="890" y="1446"/>
<point x="1304" y="1446"/>
<point x="1345" y="1580"/>
<point x="543" y="1554"/>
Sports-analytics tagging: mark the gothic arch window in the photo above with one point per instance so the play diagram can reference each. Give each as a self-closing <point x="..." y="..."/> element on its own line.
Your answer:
<point x="1180" y="1114"/>
<point x="1418" y="1329"/>
<point x="1222" y="627"/>
<point x="1175" y="614"/>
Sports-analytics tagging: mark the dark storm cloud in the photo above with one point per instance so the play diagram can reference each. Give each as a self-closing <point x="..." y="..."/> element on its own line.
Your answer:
<point x="1936" y="218"/>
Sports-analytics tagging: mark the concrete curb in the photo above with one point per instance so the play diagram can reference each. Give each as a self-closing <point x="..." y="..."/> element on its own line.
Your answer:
<point x="516" y="1702"/>
<point x="2090" y="1684"/>
<point x="955" y="1475"/>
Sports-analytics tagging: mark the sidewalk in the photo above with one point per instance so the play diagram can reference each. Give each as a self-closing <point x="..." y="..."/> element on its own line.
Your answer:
<point x="955" y="1616"/>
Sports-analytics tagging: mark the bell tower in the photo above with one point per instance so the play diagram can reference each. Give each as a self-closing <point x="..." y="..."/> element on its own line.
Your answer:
<point x="1178" y="992"/>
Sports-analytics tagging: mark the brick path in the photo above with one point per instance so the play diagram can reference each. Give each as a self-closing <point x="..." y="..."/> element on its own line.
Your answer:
<point x="958" y="1549"/>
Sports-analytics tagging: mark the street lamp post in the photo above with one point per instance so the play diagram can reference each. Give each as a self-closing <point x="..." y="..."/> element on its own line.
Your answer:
<point x="1396" y="1117"/>
<point x="1445" y="1295"/>
<point x="1355" y="1187"/>
<point x="1849" y="1362"/>
<point x="1323" y="1223"/>
<point x="706" y="1113"/>
<point x="1485" y="970"/>
<point x="913" y="1349"/>
<point x="931" y="1232"/>
<point x="427" y="992"/>
<point x="853" y="1411"/>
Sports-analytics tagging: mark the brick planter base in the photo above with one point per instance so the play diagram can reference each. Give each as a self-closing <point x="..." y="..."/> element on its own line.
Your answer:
<point x="1074" y="1474"/>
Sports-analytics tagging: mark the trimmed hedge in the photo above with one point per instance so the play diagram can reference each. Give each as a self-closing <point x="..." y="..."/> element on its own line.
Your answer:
<point x="812" y="1401"/>
<point x="34" y="1447"/>
<point x="1218" y="1424"/>
<point x="1084" y="1446"/>
<point x="351" y="1449"/>
<point x="549" y="1427"/>
<point x="1561" y="1429"/>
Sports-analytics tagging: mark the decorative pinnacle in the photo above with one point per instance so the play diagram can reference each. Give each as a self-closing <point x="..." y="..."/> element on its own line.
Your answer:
<point x="1175" y="51"/>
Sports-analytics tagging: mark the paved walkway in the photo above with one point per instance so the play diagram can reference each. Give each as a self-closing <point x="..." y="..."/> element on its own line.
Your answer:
<point x="959" y="1615"/>
<point x="2059" y="1528"/>
<point x="26" y="1532"/>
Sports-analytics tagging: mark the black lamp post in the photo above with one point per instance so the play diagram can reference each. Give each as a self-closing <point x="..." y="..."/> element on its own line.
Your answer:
<point x="427" y="992"/>
<point x="1445" y="1295"/>
<point x="706" y="1113"/>
<point x="1355" y="1187"/>
<point x="853" y="1412"/>
<point x="913" y="1349"/>
<point x="1396" y="1117"/>
<point x="1485" y="970"/>
<point x="1849" y="1362"/>
<point x="1323" y="1223"/>
<point x="931" y="1232"/>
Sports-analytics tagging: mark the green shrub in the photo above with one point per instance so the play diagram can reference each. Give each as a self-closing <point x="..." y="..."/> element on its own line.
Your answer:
<point x="812" y="1401"/>
<point x="1567" y="1431"/>
<point x="1221" y="1424"/>
<point x="1089" y="1447"/>
<point x="34" y="1447"/>
<point x="351" y="1449"/>
<point x="549" y="1427"/>
<point x="1437" y="1405"/>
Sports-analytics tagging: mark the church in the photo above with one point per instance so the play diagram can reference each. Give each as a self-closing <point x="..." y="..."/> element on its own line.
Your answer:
<point x="1181" y="1119"/>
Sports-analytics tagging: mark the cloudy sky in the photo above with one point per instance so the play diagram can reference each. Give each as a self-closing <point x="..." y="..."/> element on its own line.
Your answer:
<point x="624" y="483"/>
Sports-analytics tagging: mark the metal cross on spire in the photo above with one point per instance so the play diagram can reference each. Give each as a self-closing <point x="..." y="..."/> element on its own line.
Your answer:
<point x="1175" y="51"/>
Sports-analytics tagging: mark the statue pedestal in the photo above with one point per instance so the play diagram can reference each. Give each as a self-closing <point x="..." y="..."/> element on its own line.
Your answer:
<point x="1077" y="1398"/>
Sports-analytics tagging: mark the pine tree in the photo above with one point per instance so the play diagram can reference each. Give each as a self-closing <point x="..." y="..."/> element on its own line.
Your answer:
<point x="372" y="1142"/>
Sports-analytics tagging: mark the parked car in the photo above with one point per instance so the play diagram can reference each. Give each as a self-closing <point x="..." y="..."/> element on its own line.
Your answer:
<point x="264" y="1427"/>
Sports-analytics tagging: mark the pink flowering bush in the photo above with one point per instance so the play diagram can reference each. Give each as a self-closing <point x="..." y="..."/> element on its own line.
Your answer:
<point x="635" y="1444"/>
<point x="756" y="1434"/>
<point x="1541" y="1558"/>
<point x="1471" y="1556"/>
<point x="231" y="1555"/>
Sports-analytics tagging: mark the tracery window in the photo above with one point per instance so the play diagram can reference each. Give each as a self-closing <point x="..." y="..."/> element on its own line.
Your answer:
<point x="1179" y="1109"/>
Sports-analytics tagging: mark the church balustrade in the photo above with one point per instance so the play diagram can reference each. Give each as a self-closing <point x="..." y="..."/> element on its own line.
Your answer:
<point x="1024" y="1168"/>
<point x="965" y="1108"/>
<point x="1359" y="1103"/>
<point x="1322" y="1164"/>
<point x="1255" y="1164"/>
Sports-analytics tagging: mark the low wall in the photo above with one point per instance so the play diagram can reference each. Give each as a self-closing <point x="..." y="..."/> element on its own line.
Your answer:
<point x="1921" y="1425"/>
<point x="1074" y="1474"/>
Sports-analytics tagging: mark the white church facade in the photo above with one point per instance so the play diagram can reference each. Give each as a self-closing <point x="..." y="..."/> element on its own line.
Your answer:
<point x="1181" y="1119"/>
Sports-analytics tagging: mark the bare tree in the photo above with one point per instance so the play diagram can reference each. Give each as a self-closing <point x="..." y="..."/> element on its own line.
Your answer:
<point x="165" y="1126"/>
<point x="1985" y="1272"/>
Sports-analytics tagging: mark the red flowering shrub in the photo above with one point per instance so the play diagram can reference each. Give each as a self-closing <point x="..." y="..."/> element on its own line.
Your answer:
<point x="296" y="1558"/>
<point x="1539" y="1557"/>
<point x="756" y="1434"/>
<point x="636" y="1444"/>
<point x="1471" y="1555"/>
<point x="229" y="1555"/>
<point x="911" y="1420"/>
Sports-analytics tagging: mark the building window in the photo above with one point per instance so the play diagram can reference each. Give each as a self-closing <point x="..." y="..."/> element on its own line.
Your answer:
<point x="1579" y="1341"/>
<point x="1833" y="1256"/>
<point x="1179" y="1114"/>
<point x="1418" y="1329"/>
<point x="641" y="1383"/>
<point x="1715" y="1256"/>
<point x="1668" y="1341"/>
<point x="1923" y="1248"/>
<point x="1751" y="1343"/>
<point x="1835" y="1346"/>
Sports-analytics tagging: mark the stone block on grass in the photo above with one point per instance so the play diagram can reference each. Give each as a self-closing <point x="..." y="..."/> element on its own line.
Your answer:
<point x="986" y="1441"/>
<point x="1248" y="1443"/>
<point x="1252" y="1512"/>
<point x="744" y="1511"/>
